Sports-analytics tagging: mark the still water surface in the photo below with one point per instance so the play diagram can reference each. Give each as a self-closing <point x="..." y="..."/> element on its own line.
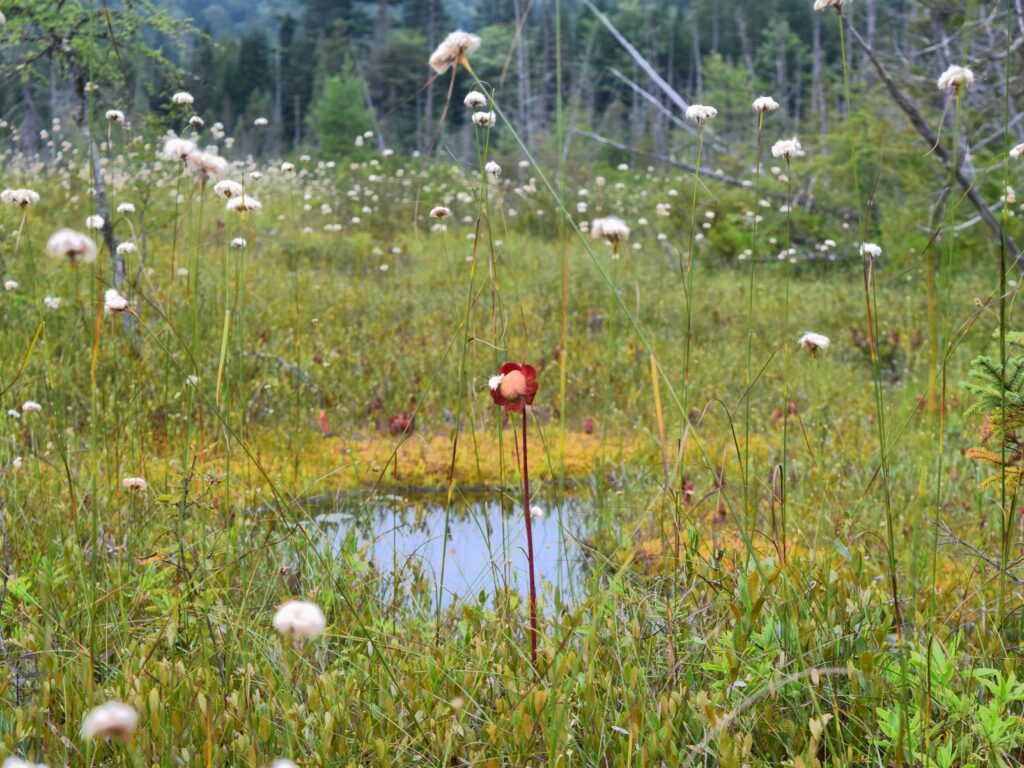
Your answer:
<point x="485" y="548"/>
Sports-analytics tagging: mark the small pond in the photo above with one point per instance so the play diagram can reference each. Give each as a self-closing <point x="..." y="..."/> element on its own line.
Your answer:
<point x="485" y="550"/>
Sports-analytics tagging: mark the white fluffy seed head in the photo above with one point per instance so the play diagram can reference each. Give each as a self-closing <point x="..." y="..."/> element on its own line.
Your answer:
<point x="475" y="100"/>
<point x="114" y="302"/>
<point x="94" y="222"/>
<point x="1017" y="151"/>
<point x="183" y="98"/>
<point x="71" y="245"/>
<point x="17" y="762"/>
<point x="134" y="484"/>
<point x="22" y="197"/>
<point x="244" y="203"/>
<point x="787" y="148"/>
<point x="765" y="104"/>
<point x="812" y="342"/>
<point x="227" y="188"/>
<point x="440" y="212"/>
<point x="299" y="619"/>
<point x="955" y="77"/>
<point x="177" y="149"/>
<point x="207" y="165"/>
<point x="870" y="249"/>
<point x="453" y="48"/>
<point x="700" y="113"/>
<point x="611" y="228"/>
<point x="484" y="119"/>
<point x="112" y="720"/>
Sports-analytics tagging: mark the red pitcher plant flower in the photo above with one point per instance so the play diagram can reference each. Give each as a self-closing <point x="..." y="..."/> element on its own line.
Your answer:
<point x="514" y="386"/>
<point x="513" y="389"/>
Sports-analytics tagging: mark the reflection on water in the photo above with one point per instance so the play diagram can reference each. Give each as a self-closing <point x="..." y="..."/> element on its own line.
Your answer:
<point x="485" y="548"/>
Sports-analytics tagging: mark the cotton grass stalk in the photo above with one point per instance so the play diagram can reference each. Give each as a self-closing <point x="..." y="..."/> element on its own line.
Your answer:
<point x="786" y="149"/>
<point x="762" y="106"/>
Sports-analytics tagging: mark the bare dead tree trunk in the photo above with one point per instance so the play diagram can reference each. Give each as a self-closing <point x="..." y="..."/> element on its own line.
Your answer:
<point x="698" y="73"/>
<point x="428" y="99"/>
<point x="745" y="47"/>
<point x="103" y="209"/>
<point x="635" y="126"/>
<point x="576" y="96"/>
<point x="278" y="90"/>
<point x="378" y="134"/>
<point x="780" y="68"/>
<point x="547" y="74"/>
<point x="818" y="105"/>
<point x="522" y="77"/>
<point x="938" y="151"/>
<point x="100" y="202"/>
<point x="30" y="123"/>
<point x="870" y="28"/>
<point x="714" y="27"/>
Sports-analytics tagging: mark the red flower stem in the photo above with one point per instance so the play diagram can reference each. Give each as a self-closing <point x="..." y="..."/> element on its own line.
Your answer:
<point x="529" y="548"/>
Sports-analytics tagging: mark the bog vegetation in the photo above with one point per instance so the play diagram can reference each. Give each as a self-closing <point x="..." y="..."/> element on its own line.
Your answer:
<point x="583" y="390"/>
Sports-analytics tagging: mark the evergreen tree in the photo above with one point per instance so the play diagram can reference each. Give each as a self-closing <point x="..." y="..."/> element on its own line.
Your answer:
<point x="252" y="72"/>
<point x="340" y="114"/>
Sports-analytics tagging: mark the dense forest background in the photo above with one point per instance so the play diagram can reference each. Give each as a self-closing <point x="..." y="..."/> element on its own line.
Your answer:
<point x="324" y="71"/>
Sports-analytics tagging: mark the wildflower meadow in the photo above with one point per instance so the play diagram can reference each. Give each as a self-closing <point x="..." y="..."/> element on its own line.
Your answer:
<point x="513" y="383"/>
